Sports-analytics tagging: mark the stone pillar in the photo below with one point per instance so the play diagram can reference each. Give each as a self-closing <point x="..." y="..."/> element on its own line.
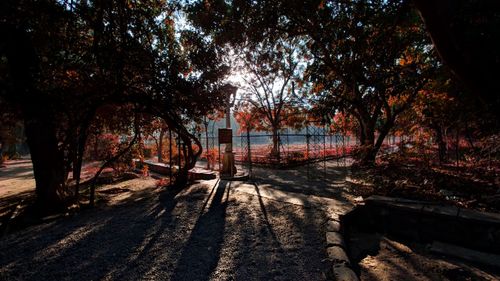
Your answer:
<point x="228" y="167"/>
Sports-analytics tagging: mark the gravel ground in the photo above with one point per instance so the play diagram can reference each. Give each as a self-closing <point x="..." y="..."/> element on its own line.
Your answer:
<point x="324" y="179"/>
<point x="208" y="232"/>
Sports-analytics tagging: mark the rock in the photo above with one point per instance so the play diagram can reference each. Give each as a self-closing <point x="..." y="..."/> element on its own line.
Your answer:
<point x="334" y="239"/>
<point x="337" y="255"/>
<point x="332" y="225"/>
<point x="334" y="216"/>
<point x="359" y="200"/>
<point x="344" y="273"/>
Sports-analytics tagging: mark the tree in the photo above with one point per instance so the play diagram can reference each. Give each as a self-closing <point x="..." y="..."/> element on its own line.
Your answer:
<point x="155" y="128"/>
<point x="211" y="117"/>
<point x="270" y="70"/>
<point x="62" y="62"/>
<point x="370" y="60"/>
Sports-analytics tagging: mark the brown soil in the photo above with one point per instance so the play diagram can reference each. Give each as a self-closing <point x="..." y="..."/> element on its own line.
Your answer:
<point x="396" y="261"/>
<point x="466" y="186"/>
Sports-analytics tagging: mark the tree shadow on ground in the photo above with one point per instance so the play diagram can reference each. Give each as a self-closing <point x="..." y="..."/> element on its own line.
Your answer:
<point x="205" y="232"/>
<point x="117" y="243"/>
<point x="316" y="180"/>
<point x="12" y="169"/>
<point x="202" y="251"/>
<point x="279" y="241"/>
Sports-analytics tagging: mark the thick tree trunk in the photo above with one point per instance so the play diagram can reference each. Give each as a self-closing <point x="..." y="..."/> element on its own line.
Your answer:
<point x="48" y="162"/>
<point x="367" y="143"/>
<point x="190" y="157"/>
<point x="368" y="149"/>
<point x="371" y="145"/>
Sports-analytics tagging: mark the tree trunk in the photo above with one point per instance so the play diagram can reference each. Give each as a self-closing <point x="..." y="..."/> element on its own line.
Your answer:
<point x="362" y="135"/>
<point x="275" y="152"/>
<point x="48" y="162"/>
<point x="440" y="142"/>
<point x="77" y="166"/>
<point x="207" y="152"/>
<point x="159" y="149"/>
<point x="368" y="150"/>
<point x="170" y="155"/>
<point x="96" y="153"/>
<point x="109" y="161"/>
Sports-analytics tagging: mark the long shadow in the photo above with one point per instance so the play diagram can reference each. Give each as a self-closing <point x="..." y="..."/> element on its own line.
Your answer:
<point x="278" y="242"/>
<point x="313" y="232"/>
<point x="16" y="170"/>
<point x="202" y="250"/>
<point x="111" y="243"/>
<point x="296" y="180"/>
<point x="266" y="217"/>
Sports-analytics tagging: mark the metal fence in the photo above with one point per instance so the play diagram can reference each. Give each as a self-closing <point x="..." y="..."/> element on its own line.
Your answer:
<point x="310" y="147"/>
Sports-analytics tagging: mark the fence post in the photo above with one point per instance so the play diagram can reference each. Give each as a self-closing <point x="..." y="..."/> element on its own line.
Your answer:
<point x="279" y="148"/>
<point x="324" y="151"/>
<point x="249" y="154"/>
<point x="343" y="150"/>
<point x="337" y="152"/>
<point x="307" y="149"/>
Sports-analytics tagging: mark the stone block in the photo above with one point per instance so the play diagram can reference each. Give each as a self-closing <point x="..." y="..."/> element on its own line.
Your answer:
<point x="332" y="225"/>
<point x="334" y="238"/>
<point x="337" y="255"/>
<point x="344" y="273"/>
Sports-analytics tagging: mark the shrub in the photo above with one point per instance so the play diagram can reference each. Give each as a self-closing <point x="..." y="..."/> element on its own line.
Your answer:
<point x="102" y="147"/>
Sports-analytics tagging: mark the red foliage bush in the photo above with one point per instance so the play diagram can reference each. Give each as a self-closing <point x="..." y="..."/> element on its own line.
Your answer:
<point x="101" y="147"/>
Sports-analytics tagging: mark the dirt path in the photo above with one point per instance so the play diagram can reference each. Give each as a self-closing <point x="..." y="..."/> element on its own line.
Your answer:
<point x="16" y="177"/>
<point x="17" y="185"/>
<point x="209" y="232"/>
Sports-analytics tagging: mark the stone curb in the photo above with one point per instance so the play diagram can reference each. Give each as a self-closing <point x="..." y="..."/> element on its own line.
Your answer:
<point x="336" y="251"/>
